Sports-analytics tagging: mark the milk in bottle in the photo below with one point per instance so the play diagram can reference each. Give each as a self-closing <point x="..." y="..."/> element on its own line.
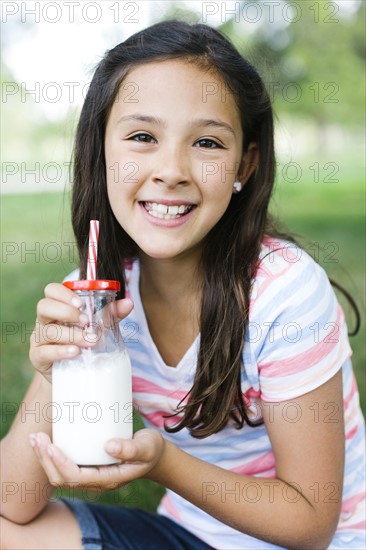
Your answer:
<point x="92" y="392"/>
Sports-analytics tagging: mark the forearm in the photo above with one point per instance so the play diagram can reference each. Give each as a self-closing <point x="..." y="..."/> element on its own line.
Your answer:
<point x="268" y="509"/>
<point x="24" y="485"/>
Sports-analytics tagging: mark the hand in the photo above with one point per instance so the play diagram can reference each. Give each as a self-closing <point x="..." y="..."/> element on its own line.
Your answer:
<point x="139" y="456"/>
<point x="52" y="340"/>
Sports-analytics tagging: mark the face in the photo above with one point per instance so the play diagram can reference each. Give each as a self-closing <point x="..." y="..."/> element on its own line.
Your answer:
<point x="173" y="148"/>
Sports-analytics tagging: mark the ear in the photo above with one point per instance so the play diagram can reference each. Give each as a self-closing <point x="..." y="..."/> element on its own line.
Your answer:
<point x="249" y="163"/>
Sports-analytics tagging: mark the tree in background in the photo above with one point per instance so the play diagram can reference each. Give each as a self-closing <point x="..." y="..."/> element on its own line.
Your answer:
<point x="310" y="53"/>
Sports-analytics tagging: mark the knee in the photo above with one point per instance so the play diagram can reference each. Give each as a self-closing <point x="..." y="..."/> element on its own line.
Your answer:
<point x="55" y="527"/>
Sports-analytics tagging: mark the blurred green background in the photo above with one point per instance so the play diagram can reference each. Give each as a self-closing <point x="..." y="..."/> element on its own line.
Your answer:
<point x="313" y="66"/>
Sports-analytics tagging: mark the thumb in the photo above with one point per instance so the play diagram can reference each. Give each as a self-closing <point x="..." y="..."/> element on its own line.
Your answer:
<point x="145" y="446"/>
<point x="125" y="449"/>
<point x="123" y="308"/>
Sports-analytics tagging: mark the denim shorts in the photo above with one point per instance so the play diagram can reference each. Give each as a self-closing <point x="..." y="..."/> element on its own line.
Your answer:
<point x="105" y="527"/>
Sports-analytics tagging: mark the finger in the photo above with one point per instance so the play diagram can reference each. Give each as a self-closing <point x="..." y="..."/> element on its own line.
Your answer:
<point x="49" y="310"/>
<point x="102" y="477"/>
<point x="142" y="448"/>
<point x="97" y="478"/>
<point x="113" y="476"/>
<point x="146" y="447"/>
<point x="59" y="292"/>
<point x="124" y="449"/>
<point x="54" y="333"/>
<point x="60" y="470"/>
<point x="124" y="307"/>
<point x="40" y="444"/>
<point x="64" y="466"/>
<point x="42" y="357"/>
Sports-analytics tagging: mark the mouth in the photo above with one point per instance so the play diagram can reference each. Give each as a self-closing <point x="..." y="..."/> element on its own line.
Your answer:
<point x="167" y="212"/>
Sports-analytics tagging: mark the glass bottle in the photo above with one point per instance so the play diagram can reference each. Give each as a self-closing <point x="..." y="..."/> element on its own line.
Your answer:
<point x="92" y="392"/>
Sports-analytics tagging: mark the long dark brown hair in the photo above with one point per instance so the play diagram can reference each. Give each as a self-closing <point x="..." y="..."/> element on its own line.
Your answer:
<point x="230" y="250"/>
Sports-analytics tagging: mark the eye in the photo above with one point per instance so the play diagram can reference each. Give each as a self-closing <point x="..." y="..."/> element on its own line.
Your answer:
<point x="144" y="138"/>
<point x="209" y="143"/>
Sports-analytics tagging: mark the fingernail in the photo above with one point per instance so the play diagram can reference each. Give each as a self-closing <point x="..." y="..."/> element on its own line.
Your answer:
<point x="76" y="302"/>
<point x="113" y="447"/>
<point x="32" y="440"/>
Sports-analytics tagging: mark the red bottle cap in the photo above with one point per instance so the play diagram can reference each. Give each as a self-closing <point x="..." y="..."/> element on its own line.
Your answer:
<point x="98" y="284"/>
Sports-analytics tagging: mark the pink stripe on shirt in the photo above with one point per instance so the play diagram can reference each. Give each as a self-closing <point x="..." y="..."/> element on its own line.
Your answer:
<point x="350" y="504"/>
<point x="139" y="385"/>
<point x="352" y="392"/>
<point x="258" y="465"/>
<point x="300" y="362"/>
<point x="351" y="433"/>
<point x="359" y="525"/>
<point x="157" y="418"/>
<point x="170" y="508"/>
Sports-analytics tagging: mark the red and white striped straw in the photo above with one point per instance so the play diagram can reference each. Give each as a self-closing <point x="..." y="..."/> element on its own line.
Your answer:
<point x="91" y="268"/>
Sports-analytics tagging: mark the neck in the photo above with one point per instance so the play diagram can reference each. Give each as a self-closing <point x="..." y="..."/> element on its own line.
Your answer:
<point x="172" y="282"/>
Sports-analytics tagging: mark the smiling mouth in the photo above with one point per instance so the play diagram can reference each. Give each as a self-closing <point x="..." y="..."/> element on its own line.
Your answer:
<point x="166" y="212"/>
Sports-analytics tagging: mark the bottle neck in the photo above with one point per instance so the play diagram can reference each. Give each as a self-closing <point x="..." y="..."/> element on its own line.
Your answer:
<point x="105" y="296"/>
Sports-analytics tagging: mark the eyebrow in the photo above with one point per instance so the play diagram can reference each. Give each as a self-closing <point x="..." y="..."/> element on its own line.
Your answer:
<point x="202" y="122"/>
<point x="141" y="118"/>
<point x="215" y="124"/>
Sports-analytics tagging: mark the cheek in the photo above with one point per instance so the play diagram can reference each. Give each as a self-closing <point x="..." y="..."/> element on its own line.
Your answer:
<point x="125" y="174"/>
<point x="216" y="199"/>
<point x="114" y="201"/>
<point x="110" y="167"/>
<point x="119" y="168"/>
<point x="119" y="206"/>
<point x="119" y="172"/>
<point x="218" y="192"/>
<point x="122" y="180"/>
<point x="116" y="189"/>
<point x="219" y="174"/>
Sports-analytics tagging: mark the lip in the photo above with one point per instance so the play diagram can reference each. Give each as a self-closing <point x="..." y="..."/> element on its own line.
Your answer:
<point x="166" y="223"/>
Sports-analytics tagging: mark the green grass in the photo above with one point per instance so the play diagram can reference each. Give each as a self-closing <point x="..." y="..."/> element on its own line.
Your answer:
<point x="331" y="215"/>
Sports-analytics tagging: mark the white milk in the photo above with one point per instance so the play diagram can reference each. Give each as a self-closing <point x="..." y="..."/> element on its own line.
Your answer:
<point x="92" y="402"/>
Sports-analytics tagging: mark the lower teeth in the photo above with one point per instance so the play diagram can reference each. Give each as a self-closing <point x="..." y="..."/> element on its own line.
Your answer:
<point x="165" y="216"/>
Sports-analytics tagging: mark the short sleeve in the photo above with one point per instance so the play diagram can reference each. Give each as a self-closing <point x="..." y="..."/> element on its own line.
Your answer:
<point x="73" y="276"/>
<point x="298" y="333"/>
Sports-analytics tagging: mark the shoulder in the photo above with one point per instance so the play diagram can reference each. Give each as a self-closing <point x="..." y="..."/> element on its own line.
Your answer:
<point x="297" y="333"/>
<point x="279" y="257"/>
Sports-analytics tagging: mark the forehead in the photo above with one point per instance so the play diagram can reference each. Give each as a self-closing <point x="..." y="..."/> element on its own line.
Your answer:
<point x="177" y="84"/>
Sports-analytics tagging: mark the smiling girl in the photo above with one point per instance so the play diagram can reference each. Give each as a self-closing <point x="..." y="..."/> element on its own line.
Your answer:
<point x="252" y="422"/>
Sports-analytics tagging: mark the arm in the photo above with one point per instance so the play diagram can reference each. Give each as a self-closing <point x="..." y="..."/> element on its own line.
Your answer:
<point x="308" y="453"/>
<point x="24" y="482"/>
<point x="25" y="486"/>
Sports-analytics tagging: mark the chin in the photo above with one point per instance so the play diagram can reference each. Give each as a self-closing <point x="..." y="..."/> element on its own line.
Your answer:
<point x="159" y="253"/>
<point x="163" y="256"/>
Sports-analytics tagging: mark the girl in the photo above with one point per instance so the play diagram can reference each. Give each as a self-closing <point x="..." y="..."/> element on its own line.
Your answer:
<point x="252" y="419"/>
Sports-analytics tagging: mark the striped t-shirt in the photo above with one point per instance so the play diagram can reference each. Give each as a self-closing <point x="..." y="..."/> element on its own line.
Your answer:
<point x="296" y="341"/>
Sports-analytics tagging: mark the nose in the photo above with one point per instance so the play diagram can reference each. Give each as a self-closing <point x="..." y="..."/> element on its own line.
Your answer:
<point x="170" y="166"/>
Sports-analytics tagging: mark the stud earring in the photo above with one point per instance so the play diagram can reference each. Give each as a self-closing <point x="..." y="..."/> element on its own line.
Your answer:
<point x="237" y="187"/>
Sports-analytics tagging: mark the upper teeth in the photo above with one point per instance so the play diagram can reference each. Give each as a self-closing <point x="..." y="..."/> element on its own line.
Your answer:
<point x="164" y="211"/>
